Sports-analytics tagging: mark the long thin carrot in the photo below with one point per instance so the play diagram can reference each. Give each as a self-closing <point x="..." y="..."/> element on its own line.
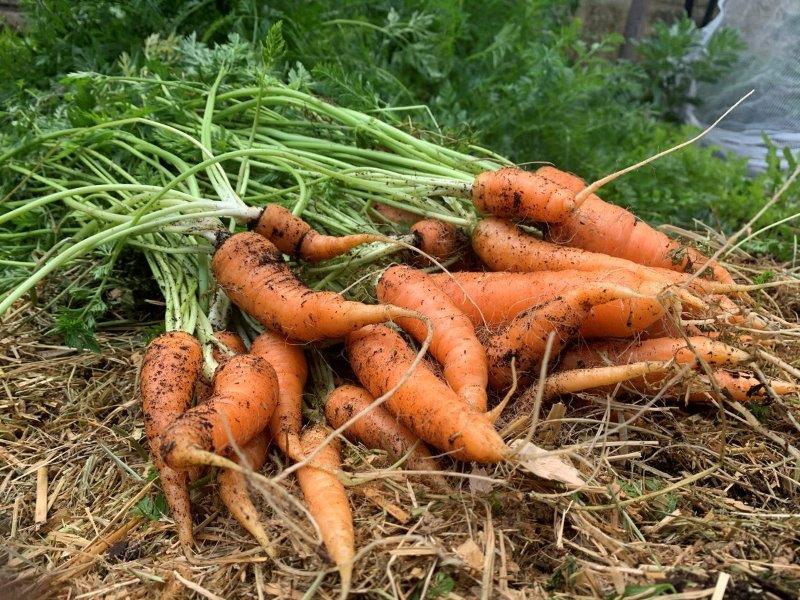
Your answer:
<point x="525" y="338"/>
<point x="293" y="236"/>
<point x="495" y="298"/>
<point x="327" y="502"/>
<point x="602" y="227"/>
<point x="233" y="489"/>
<point x="170" y="369"/>
<point x="251" y="271"/>
<point x="378" y="429"/>
<point x="515" y="193"/>
<point x="245" y="395"/>
<point x="290" y="366"/>
<point x="424" y="403"/>
<point x="454" y="344"/>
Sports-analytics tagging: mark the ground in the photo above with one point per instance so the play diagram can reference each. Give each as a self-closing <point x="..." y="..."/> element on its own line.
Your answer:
<point x="681" y="497"/>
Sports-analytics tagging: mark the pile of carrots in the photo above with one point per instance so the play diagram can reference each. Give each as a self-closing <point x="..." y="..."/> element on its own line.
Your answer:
<point x="597" y="299"/>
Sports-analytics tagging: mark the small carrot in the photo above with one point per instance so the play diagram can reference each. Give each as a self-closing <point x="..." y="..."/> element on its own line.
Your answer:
<point x="290" y="366"/>
<point x="233" y="489"/>
<point x="578" y="380"/>
<point x="254" y="276"/>
<point x="378" y="429"/>
<point x="234" y="344"/>
<point x="454" y="344"/>
<point x="742" y="386"/>
<point x="327" y="502"/>
<point x="170" y="368"/>
<point x="495" y="298"/>
<point x="515" y="193"/>
<point x="244" y="398"/>
<point x="293" y="236"/>
<point x="424" y="403"/>
<point x="609" y="229"/>
<point x="439" y="239"/>
<point x="525" y="338"/>
<point x="396" y="215"/>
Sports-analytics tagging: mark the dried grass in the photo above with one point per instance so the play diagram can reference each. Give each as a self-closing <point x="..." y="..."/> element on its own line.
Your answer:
<point x="681" y="497"/>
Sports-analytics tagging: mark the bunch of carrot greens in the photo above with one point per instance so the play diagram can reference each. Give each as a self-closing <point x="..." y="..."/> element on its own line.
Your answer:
<point x="271" y="220"/>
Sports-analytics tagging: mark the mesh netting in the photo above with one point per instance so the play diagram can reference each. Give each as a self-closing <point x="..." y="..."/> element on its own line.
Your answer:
<point x="771" y="66"/>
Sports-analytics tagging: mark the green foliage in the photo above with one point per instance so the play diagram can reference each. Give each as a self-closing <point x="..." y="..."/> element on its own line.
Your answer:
<point x="439" y="587"/>
<point x="152" y="507"/>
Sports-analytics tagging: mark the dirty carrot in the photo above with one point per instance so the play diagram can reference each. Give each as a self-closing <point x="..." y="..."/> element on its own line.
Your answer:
<point x="438" y="239"/>
<point x="516" y="193"/>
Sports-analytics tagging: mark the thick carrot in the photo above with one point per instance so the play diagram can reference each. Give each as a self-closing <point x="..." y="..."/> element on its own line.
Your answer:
<point x="602" y="227"/>
<point x="495" y="298"/>
<point x="454" y="343"/>
<point x="514" y="193"/>
<point x="245" y="395"/>
<point x="170" y="369"/>
<point x="233" y="489"/>
<point x="235" y="345"/>
<point x="290" y="366"/>
<point x="251" y="271"/>
<point x="438" y="239"/>
<point x="293" y="236"/>
<point x="327" y="502"/>
<point x="684" y="352"/>
<point x="525" y="338"/>
<point x="377" y="429"/>
<point x="424" y="403"/>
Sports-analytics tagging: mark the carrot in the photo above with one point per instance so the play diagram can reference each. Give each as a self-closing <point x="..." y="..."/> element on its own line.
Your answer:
<point x="244" y="398"/>
<point x="293" y="236"/>
<point x="438" y="239"/>
<point x="424" y="403"/>
<point x="233" y="489"/>
<point x="525" y="338"/>
<point x="290" y="366"/>
<point x="170" y="368"/>
<point x="577" y="380"/>
<point x="396" y="215"/>
<point x="599" y="226"/>
<point x="234" y="344"/>
<point x="454" y="343"/>
<point x="378" y="429"/>
<point x="515" y="193"/>
<point x="495" y="298"/>
<point x="684" y="352"/>
<point x="742" y="386"/>
<point x="251" y="271"/>
<point x="327" y="502"/>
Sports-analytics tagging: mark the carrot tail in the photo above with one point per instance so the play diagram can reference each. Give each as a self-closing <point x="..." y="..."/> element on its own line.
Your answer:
<point x="176" y="491"/>
<point x="576" y="380"/>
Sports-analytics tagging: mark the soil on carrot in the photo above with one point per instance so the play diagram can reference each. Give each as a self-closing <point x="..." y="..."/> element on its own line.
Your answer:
<point x="679" y="495"/>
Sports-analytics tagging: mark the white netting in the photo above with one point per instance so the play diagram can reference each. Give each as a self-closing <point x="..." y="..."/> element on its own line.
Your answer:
<point x="770" y="65"/>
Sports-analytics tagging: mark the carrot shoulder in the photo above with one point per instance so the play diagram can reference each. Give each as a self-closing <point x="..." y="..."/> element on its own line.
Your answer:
<point x="454" y="344"/>
<point x="170" y="369"/>
<point x="290" y="366"/>
<point x="293" y="236"/>
<point x="253" y="274"/>
<point x="327" y="502"/>
<point x="424" y="403"/>
<point x="245" y="395"/>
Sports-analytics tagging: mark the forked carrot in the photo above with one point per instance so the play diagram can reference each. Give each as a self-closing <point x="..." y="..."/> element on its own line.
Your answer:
<point x="244" y="398"/>
<point x="327" y="502"/>
<point x="253" y="274"/>
<point x="170" y="368"/>
<point x="290" y="366"/>
<point x="293" y="236"/>
<point x="424" y="403"/>
<point x="454" y="343"/>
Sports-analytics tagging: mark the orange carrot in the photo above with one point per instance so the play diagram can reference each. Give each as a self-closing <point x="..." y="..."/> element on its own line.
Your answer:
<point x="684" y="352"/>
<point x="170" y="369"/>
<point x="609" y="229"/>
<point x="512" y="192"/>
<point x="396" y="215"/>
<point x="289" y="363"/>
<point x="235" y="345"/>
<point x="438" y="239"/>
<point x="293" y="236"/>
<point x="233" y="489"/>
<point x="378" y="429"/>
<point x="454" y="343"/>
<point x="495" y="298"/>
<point x="578" y="380"/>
<point x="327" y="502"/>
<point x="245" y="395"/>
<point x="424" y="403"/>
<point x="745" y="387"/>
<point x="525" y="338"/>
<point x="251" y="271"/>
